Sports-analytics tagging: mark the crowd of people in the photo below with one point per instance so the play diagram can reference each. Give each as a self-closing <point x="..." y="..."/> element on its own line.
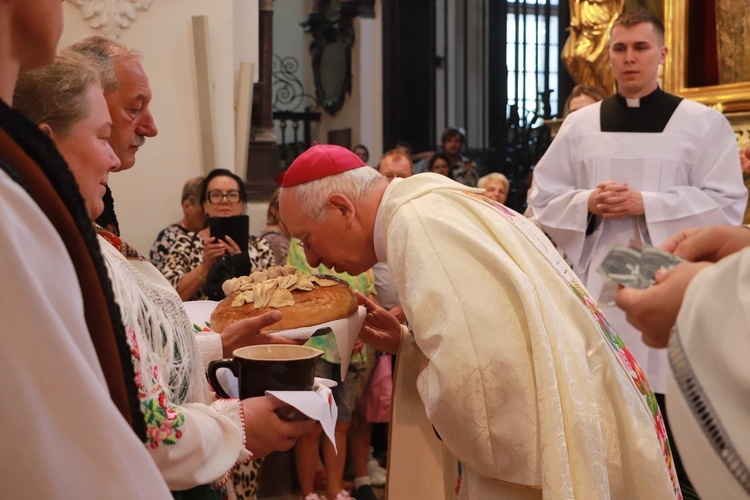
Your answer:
<point x="521" y="371"/>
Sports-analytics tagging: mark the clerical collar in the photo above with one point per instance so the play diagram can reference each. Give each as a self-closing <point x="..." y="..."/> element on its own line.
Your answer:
<point x="649" y="114"/>
<point x="638" y="102"/>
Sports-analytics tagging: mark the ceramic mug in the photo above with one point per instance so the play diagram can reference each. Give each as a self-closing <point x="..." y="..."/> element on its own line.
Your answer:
<point x="268" y="367"/>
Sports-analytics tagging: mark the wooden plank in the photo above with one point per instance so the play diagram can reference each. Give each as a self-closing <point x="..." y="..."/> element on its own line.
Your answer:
<point x="204" y="86"/>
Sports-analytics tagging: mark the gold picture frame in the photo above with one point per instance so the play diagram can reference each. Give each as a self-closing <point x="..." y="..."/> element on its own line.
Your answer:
<point x="733" y="97"/>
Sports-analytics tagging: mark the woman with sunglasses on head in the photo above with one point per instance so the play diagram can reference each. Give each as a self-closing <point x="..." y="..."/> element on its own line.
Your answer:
<point x="197" y="258"/>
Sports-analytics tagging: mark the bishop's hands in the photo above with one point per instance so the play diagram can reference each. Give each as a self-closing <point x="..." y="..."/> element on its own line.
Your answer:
<point x="381" y="329"/>
<point x="613" y="200"/>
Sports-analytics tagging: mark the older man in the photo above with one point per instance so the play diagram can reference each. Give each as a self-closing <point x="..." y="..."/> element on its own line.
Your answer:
<point x="394" y="164"/>
<point x="521" y="376"/>
<point x="128" y="94"/>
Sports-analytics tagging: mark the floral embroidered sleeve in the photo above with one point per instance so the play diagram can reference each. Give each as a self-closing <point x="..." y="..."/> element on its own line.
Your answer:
<point x="192" y="444"/>
<point x="193" y="440"/>
<point x="163" y="421"/>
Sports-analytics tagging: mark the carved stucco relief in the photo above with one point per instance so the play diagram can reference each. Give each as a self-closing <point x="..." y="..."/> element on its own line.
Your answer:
<point x="111" y="16"/>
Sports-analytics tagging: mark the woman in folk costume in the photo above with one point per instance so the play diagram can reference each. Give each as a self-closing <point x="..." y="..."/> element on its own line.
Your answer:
<point x="195" y="442"/>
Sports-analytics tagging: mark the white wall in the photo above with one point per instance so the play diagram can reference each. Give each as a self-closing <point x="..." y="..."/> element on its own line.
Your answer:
<point x="368" y="81"/>
<point x="147" y="196"/>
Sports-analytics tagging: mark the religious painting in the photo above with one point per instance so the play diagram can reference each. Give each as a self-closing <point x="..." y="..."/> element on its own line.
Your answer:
<point x="709" y="52"/>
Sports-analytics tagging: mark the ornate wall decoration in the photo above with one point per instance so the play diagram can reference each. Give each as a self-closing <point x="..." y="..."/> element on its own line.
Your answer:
<point x="586" y="52"/>
<point x="330" y="24"/>
<point x="111" y="16"/>
<point x="288" y="90"/>
<point x="732" y="30"/>
<point x="734" y="97"/>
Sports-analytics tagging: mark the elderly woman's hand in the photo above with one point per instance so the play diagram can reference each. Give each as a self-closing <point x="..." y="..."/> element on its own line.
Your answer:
<point x="213" y="248"/>
<point x="232" y="248"/>
<point x="247" y="332"/>
<point x="265" y="431"/>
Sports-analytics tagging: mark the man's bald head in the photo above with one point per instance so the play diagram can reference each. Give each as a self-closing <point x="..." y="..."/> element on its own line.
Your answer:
<point x="395" y="164"/>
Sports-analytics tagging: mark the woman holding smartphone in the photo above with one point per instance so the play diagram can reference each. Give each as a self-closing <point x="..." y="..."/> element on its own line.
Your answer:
<point x="196" y="259"/>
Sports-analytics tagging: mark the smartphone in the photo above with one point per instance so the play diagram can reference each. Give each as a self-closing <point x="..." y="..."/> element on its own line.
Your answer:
<point x="236" y="227"/>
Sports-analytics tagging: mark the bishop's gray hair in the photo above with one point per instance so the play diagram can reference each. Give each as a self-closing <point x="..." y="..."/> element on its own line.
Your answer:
<point x="354" y="184"/>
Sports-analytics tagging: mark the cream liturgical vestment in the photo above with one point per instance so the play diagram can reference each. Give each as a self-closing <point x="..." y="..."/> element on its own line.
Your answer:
<point x="524" y="381"/>
<point x="683" y="158"/>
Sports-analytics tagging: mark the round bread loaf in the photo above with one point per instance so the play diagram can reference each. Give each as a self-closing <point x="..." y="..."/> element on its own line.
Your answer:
<point x="313" y="307"/>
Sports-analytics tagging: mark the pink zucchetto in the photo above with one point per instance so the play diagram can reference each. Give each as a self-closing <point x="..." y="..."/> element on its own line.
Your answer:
<point x="320" y="161"/>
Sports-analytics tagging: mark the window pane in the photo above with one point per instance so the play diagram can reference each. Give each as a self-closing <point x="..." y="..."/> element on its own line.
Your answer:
<point x="532" y="60"/>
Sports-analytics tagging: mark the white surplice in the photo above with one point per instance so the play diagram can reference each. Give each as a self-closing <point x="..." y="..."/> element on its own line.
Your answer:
<point x="689" y="176"/>
<point x="522" y="386"/>
<point x="708" y="388"/>
<point x="62" y="435"/>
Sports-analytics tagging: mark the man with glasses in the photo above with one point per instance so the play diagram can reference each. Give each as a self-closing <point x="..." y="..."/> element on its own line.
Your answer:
<point x="507" y="367"/>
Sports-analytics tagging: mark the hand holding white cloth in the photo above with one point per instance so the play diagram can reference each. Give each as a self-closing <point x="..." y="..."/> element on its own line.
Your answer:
<point x="317" y="404"/>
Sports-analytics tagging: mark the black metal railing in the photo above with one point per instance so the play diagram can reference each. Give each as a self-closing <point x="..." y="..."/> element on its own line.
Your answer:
<point x="294" y="110"/>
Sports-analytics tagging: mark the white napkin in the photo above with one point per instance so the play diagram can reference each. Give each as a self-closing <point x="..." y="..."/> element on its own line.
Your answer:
<point x="345" y="330"/>
<point x="317" y="404"/>
<point x="199" y="312"/>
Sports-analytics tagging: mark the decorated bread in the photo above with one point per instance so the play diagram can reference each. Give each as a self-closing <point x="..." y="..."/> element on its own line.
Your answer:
<point x="302" y="299"/>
